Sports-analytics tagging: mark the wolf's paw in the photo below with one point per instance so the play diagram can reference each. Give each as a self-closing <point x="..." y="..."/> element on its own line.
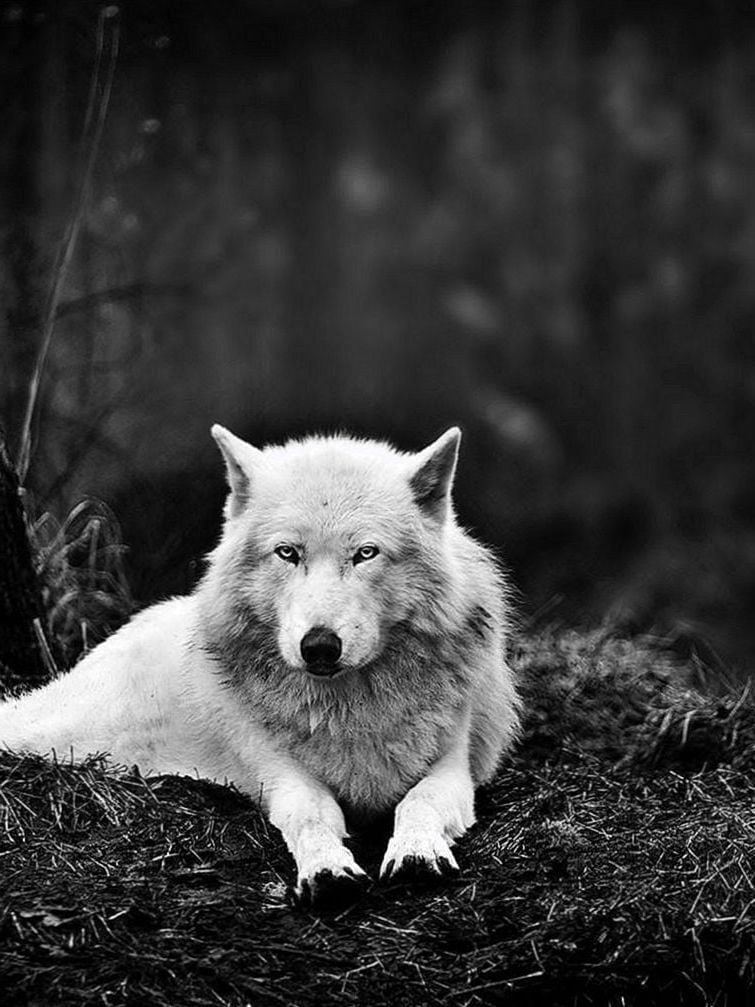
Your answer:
<point x="329" y="891"/>
<point x="418" y="858"/>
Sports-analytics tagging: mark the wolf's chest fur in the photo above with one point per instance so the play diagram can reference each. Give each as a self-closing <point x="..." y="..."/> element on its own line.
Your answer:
<point x="369" y="768"/>
<point x="359" y="738"/>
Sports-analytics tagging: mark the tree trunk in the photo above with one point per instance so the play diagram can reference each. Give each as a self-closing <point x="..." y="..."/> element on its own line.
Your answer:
<point x="24" y="659"/>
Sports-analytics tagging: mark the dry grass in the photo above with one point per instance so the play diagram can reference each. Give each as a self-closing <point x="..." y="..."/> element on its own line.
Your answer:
<point x="79" y="562"/>
<point x="630" y="701"/>
<point x="611" y="865"/>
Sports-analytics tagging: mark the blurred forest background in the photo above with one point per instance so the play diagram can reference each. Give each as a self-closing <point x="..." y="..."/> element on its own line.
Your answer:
<point x="536" y="219"/>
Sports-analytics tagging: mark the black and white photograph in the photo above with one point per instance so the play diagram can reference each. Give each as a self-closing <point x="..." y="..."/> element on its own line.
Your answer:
<point x="377" y="503"/>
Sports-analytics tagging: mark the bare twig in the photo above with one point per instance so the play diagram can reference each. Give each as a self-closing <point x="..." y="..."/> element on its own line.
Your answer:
<point x="44" y="646"/>
<point x="99" y="100"/>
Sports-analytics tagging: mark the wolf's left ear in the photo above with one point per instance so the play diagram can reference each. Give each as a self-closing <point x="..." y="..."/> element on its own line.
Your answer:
<point x="433" y="474"/>
<point x="240" y="461"/>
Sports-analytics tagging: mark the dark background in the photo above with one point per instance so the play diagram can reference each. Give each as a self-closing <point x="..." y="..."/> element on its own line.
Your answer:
<point x="533" y="219"/>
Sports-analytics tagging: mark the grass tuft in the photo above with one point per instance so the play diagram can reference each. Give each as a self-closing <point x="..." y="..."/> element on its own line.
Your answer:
<point x="79" y="562"/>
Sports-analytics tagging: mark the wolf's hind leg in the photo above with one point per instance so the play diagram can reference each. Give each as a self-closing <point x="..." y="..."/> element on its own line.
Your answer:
<point x="435" y="812"/>
<point x="314" y="830"/>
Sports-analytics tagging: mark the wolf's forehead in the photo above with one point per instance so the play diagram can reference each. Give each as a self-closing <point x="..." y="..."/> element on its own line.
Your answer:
<point x="323" y="456"/>
<point x="339" y="472"/>
<point x="331" y="495"/>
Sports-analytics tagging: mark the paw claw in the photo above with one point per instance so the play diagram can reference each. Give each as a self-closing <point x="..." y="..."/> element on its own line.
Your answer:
<point x="330" y="892"/>
<point x="420" y="869"/>
<point x="429" y="860"/>
<point x="447" y="868"/>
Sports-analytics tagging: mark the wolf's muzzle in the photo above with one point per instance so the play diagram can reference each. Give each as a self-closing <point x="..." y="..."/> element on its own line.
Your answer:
<point x="321" y="648"/>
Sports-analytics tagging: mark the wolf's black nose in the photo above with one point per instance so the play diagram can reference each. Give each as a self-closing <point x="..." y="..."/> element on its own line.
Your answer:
<point x="321" y="646"/>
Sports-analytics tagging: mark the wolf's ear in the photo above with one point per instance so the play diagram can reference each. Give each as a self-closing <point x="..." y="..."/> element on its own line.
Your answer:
<point x="240" y="461"/>
<point x="433" y="474"/>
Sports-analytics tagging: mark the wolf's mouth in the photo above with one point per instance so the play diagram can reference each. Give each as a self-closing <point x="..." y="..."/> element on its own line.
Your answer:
<point x="322" y="669"/>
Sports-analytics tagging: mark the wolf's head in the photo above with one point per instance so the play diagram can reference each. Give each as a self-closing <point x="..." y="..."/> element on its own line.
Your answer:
<point x="330" y="542"/>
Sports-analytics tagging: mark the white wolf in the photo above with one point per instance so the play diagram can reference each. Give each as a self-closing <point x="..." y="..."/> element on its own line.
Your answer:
<point x="342" y="656"/>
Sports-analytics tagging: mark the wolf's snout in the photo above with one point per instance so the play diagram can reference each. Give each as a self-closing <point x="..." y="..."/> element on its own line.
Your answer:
<point x="321" y="648"/>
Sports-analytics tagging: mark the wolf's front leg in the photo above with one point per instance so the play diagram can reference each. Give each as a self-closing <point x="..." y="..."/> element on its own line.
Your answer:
<point x="434" y="813"/>
<point x="314" y="829"/>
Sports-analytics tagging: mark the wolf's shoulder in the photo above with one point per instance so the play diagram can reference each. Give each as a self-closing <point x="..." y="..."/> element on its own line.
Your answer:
<point x="155" y="632"/>
<point x="169" y="615"/>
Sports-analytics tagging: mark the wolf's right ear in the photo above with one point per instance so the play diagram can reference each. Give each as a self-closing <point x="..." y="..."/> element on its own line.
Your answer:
<point x="240" y="461"/>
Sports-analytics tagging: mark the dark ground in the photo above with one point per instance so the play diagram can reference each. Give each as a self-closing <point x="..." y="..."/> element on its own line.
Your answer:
<point x="611" y="864"/>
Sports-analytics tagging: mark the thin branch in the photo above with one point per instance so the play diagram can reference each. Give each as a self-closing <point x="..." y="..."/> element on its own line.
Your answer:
<point x="97" y="110"/>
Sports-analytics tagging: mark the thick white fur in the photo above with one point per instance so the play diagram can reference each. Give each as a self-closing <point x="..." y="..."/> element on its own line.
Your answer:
<point x="214" y="683"/>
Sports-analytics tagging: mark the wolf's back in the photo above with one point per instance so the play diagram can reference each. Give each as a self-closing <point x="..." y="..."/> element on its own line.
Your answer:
<point x="117" y="700"/>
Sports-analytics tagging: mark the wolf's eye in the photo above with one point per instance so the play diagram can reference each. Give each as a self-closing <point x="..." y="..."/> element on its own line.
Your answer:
<point x="287" y="553"/>
<point x="364" y="553"/>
